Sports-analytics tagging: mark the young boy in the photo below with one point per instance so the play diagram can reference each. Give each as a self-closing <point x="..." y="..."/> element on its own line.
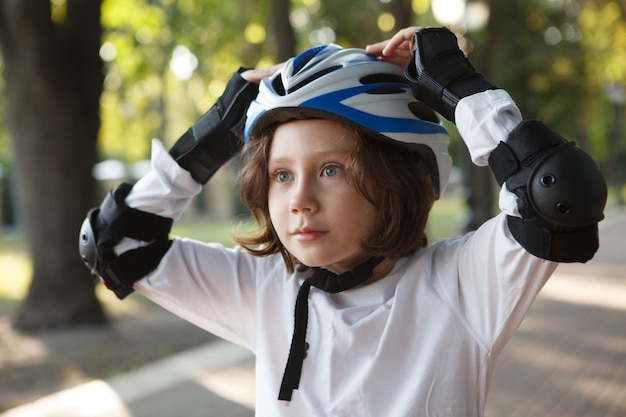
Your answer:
<point x="343" y="167"/>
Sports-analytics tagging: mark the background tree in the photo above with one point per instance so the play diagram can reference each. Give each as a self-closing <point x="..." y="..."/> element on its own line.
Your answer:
<point x="602" y="27"/>
<point x="280" y="25"/>
<point x="547" y="55"/>
<point x="53" y="80"/>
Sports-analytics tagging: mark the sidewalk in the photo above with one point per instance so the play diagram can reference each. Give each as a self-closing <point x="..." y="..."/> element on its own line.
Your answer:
<point x="568" y="359"/>
<point x="213" y="380"/>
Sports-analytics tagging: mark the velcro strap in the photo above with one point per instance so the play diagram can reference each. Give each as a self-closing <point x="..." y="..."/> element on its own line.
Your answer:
<point x="135" y="264"/>
<point x="233" y="103"/>
<point x="125" y="221"/>
<point x="567" y="246"/>
<point x="205" y="147"/>
<point x="429" y="85"/>
<point x="503" y="162"/>
<point x="525" y="143"/>
<point x="123" y="271"/>
<point x="446" y="70"/>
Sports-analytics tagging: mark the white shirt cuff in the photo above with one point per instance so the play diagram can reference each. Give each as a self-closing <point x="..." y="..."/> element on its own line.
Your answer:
<point x="167" y="189"/>
<point x="484" y="120"/>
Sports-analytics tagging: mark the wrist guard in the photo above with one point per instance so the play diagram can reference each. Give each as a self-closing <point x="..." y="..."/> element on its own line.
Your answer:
<point x="439" y="73"/>
<point x="218" y="135"/>
<point x="560" y="192"/>
<point x="106" y="225"/>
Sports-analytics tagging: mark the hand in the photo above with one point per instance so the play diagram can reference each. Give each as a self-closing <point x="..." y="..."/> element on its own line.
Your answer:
<point x="256" y="75"/>
<point x="397" y="49"/>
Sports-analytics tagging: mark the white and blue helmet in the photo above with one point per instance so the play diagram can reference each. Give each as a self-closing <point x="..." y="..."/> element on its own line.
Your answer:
<point x="356" y="89"/>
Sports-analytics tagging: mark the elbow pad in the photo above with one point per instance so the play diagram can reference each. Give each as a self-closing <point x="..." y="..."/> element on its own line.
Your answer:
<point x="218" y="135"/>
<point x="106" y="225"/>
<point x="560" y="192"/>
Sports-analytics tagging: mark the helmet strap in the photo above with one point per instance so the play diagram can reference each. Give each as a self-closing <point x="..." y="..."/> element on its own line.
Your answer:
<point x="329" y="282"/>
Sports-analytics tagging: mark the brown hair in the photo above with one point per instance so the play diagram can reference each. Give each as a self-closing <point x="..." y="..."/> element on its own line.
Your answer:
<point x="388" y="176"/>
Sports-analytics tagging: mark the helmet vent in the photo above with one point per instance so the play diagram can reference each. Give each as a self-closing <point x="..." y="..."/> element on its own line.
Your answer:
<point x="382" y="78"/>
<point x="386" y="90"/>
<point x="313" y="77"/>
<point x="277" y="85"/>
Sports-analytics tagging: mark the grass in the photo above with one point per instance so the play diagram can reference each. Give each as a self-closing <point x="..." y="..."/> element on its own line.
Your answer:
<point x="211" y="231"/>
<point x="446" y="219"/>
<point x="15" y="270"/>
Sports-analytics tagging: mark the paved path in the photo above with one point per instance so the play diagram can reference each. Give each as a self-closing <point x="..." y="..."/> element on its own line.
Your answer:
<point x="568" y="359"/>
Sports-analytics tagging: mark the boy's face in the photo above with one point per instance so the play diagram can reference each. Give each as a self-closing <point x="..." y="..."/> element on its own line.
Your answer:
<point x="318" y="215"/>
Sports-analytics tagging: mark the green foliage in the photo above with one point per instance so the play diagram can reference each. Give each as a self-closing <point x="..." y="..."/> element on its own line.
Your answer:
<point x="604" y="29"/>
<point x="553" y="56"/>
<point x="142" y="98"/>
<point x="347" y="18"/>
<point x="603" y="25"/>
<point x="142" y="38"/>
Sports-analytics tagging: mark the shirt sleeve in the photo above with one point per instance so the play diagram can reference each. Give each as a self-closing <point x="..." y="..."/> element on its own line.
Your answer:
<point x="494" y="279"/>
<point x="491" y="280"/>
<point x="166" y="189"/>
<point x="484" y="120"/>
<point x="213" y="287"/>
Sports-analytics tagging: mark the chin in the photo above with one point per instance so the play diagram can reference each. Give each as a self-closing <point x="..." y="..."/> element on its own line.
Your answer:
<point x="313" y="261"/>
<point x="336" y="267"/>
<point x="330" y="261"/>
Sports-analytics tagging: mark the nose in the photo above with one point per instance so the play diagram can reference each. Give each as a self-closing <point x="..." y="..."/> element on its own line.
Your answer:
<point x="304" y="198"/>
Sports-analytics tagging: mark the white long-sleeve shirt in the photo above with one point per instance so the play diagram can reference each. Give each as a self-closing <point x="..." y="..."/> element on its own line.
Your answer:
<point x="422" y="341"/>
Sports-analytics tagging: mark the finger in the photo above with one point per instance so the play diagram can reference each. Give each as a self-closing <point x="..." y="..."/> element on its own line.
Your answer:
<point x="402" y="39"/>
<point x="403" y="49"/>
<point x="256" y="75"/>
<point x="398" y="40"/>
<point x="376" y="48"/>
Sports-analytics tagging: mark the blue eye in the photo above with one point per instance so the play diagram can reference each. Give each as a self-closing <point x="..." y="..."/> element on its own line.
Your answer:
<point x="282" y="176"/>
<point x="330" y="170"/>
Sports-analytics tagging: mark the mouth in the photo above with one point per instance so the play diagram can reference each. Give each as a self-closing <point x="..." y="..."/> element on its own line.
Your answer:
<point x="307" y="234"/>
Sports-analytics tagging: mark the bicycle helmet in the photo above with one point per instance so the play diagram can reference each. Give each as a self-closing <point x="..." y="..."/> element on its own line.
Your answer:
<point x="358" y="90"/>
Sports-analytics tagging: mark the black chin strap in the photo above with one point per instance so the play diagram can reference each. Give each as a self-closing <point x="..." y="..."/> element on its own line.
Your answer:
<point x="329" y="282"/>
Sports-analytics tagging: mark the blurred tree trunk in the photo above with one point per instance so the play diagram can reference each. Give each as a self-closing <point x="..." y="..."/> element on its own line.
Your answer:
<point x="54" y="80"/>
<point x="481" y="185"/>
<point x="282" y="30"/>
<point x="402" y="13"/>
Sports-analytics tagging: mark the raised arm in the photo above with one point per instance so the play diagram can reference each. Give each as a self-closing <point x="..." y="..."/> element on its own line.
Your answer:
<point x="126" y="237"/>
<point x="557" y="191"/>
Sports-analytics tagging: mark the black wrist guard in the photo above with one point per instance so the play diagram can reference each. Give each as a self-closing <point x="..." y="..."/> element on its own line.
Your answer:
<point x="560" y="192"/>
<point x="439" y="73"/>
<point x="218" y="135"/>
<point x="106" y="225"/>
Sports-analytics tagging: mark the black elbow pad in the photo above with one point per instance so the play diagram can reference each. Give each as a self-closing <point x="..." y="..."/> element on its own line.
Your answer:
<point x="106" y="225"/>
<point x="560" y="191"/>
